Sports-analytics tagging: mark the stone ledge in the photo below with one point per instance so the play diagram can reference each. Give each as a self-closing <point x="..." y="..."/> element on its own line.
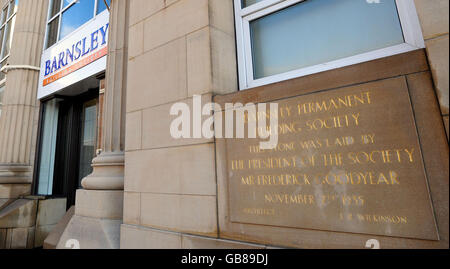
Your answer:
<point x="138" y="237"/>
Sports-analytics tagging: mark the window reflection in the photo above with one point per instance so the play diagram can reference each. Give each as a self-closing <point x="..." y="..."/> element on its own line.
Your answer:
<point x="7" y="19"/>
<point x="2" y="35"/>
<point x="88" y="139"/>
<point x="65" y="16"/>
<point x="75" y="16"/>
<point x="67" y="2"/>
<point x="101" y="6"/>
<point x="7" y="41"/>
<point x="52" y="32"/>
<point x="55" y="6"/>
<point x="319" y="31"/>
<point x="11" y="9"/>
<point x="48" y="151"/>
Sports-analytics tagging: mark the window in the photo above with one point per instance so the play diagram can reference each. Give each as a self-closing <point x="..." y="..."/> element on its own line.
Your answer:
<point x="88" y="142"/>
<point x="283" y="39"/>
<point x="48" y="147"/>
<point x="7" y="21"/>
<point x="65" y="16"/>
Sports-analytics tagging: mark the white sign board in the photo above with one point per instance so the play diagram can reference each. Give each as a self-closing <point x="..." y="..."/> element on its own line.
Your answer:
<point x="76" y="57"/>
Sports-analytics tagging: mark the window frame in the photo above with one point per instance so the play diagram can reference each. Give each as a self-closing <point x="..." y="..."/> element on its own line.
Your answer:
<point x="409" y="21"/>
<point x="58" y="16"/>
<point x="4" y="26"/>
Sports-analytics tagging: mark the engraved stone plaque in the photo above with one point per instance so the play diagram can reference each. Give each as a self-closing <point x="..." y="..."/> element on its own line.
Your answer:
<point x="347" y="160"/>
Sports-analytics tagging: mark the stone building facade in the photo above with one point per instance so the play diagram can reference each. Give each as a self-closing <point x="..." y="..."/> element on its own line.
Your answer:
<point x="146" y="189"/>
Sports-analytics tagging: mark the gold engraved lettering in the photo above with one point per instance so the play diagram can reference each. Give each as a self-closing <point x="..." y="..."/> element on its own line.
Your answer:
<point x="349" y="101"/>
<point x="288" y="199"/>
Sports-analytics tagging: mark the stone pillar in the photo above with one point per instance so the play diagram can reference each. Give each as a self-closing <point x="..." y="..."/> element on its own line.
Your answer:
<point x="18" y="123"/>
<point x="433" y="17"/>
<point x="109" y="165"/>
<point x="99" y="206"/>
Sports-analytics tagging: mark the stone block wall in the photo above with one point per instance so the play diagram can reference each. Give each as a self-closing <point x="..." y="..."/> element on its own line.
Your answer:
<point x="182" y="48"/>
<point x="434" y="18"/>
<point x="26" y="222"/>
<point x="177" y="49"/>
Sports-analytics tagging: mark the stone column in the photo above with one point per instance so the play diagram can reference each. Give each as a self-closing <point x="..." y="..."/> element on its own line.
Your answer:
<point x="109" y="165"/>
<point x="99" y="206"/>
<point x="18" y="123"/>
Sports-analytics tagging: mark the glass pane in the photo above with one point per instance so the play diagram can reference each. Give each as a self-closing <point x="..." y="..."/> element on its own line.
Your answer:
<point x="4" y="14"/>
<point x="2" y="89"/>
<point x="48" y="147"/>
<point x="75" y="16"/>
<point x="55" y="6"/>
<point x="7" y="42"/>
<point x="88" y="138"/>
<point x="2" y="32"/>
<point x="67" y="2"/>
<point x="319" y="31"/>
<point x="14" y="6"/>
<point x="246" y="3"/>
<point x="2" y="75"/>
<point x="52" y="32"/>
<point x="11" y="8"/>
<point x="101" y="6"/>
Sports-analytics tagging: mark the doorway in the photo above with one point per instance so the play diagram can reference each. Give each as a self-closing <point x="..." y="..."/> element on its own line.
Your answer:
<point x="67" y="144"/>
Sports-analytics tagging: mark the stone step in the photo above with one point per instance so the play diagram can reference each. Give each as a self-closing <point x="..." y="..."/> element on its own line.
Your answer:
<point x="53" y="238"/>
